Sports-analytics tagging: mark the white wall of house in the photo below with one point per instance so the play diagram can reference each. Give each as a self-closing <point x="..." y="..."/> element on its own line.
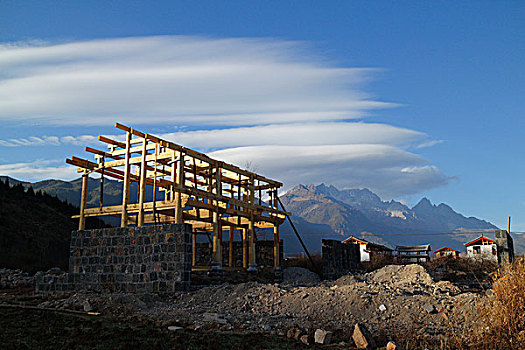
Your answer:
<point x="365" y="256"/>
<point x="487" y="252"/>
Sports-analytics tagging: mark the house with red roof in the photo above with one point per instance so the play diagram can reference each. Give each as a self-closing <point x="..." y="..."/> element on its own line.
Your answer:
<point x="367" y="248"/>
<point x="482" y="248"/>
<point x="445" y="252"/>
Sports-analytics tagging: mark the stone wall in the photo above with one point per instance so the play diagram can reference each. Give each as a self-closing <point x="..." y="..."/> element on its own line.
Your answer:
<point x="505" y="246"/>
<point x="264" y="253"/>
<point x="339" y="258"/>
<point x="148" y="259"/>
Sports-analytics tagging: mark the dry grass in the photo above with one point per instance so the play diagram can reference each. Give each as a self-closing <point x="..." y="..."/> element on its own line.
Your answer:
<point x="502" y="318"/>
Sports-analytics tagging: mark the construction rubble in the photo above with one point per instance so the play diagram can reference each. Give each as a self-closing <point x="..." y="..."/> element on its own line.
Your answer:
<point x="384" y="305"/>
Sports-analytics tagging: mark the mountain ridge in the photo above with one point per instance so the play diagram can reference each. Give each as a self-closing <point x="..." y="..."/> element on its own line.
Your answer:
<point x="360" y="212"/>
<point x="321" y="211"/>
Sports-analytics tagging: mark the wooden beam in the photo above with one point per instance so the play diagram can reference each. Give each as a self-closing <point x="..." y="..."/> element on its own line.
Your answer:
<point x="112" y="142"/>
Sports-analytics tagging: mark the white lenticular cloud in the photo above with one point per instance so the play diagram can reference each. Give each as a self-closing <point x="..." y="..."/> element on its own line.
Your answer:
<point x="268" y="103"/>
<point x="171" y="79"/>
<point x="387" y="170"/>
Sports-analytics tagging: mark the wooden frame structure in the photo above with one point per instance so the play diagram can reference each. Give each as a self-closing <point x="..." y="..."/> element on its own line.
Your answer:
<point x="211" y="195"/>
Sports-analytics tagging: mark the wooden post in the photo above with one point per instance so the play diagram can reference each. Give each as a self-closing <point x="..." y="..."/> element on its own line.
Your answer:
<point x="252" y="266"/>
<point x="230" y="246"/>
<point x="276" y="248"/>
<point x="216" y="247"/>
<point x="180" y="185"/>
<point x="83" y="201"/>
<point x="155" y="184"/>
<point x="217" y="229"/>
<point x="125" y="191"/>
<point x="194" y="249"/>
<point x="142" y="184"/>
<point x="508" y="227"/>
<point x="251" y="230"/>
<point x="244" y="248"/>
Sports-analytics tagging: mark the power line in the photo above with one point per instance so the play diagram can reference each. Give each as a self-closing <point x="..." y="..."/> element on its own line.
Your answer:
<point x="401" y="234"/>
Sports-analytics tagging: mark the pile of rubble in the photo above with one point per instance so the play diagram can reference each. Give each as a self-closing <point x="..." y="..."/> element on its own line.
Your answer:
<point x="15" y="278"/>
<point x="393" y="302"/>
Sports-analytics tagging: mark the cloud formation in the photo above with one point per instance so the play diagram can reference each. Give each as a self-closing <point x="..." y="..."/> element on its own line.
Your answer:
<point x="185" y="80"/>
<point x="269" y="103"/>
<point x="39" y="170"/>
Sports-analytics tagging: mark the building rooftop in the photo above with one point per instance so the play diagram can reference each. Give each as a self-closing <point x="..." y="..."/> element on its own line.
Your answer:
<point x="479" y="241"/>
<point x="446" y="248"/>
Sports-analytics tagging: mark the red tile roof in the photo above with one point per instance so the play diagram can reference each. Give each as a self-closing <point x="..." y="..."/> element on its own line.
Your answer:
<point x="446" y="248"/>
<point x="479" y="239"/>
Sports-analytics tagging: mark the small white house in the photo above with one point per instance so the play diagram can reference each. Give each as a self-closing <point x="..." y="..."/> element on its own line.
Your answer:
<point x="367" y="248"/>
<point x="482" y="248"/>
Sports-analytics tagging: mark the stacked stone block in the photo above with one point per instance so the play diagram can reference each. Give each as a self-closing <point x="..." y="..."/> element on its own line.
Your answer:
<point x="263" y="251"/>
<point x="148" y="259"/>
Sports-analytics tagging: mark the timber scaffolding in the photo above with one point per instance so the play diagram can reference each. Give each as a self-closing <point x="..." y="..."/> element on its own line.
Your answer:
<point x="211" y="195"/>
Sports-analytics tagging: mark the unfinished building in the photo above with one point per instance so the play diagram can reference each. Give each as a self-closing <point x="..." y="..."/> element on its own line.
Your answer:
<point x="185" y="186"/>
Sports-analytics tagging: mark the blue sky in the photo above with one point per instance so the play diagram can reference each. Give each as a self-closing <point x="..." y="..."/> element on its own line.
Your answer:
<point x="408" y="98"/>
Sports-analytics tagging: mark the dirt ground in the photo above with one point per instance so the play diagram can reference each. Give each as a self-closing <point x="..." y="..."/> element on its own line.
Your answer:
<point x="398" y="302"/>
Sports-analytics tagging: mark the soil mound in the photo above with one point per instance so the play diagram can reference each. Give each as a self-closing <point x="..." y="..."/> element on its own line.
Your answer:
<point x="400" y="274"/>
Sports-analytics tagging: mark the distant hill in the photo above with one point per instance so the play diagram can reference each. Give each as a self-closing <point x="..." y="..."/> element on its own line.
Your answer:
<point x="360" y="212"/>
<point x="35" y="228"/>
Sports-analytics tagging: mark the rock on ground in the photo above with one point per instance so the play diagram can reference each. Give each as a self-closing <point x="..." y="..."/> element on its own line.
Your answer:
<point x="362" y="337"/>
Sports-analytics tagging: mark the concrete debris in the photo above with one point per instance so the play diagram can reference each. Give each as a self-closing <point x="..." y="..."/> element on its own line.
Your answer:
<point x="322" y="337"/>
<point x="362" y="337"/>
